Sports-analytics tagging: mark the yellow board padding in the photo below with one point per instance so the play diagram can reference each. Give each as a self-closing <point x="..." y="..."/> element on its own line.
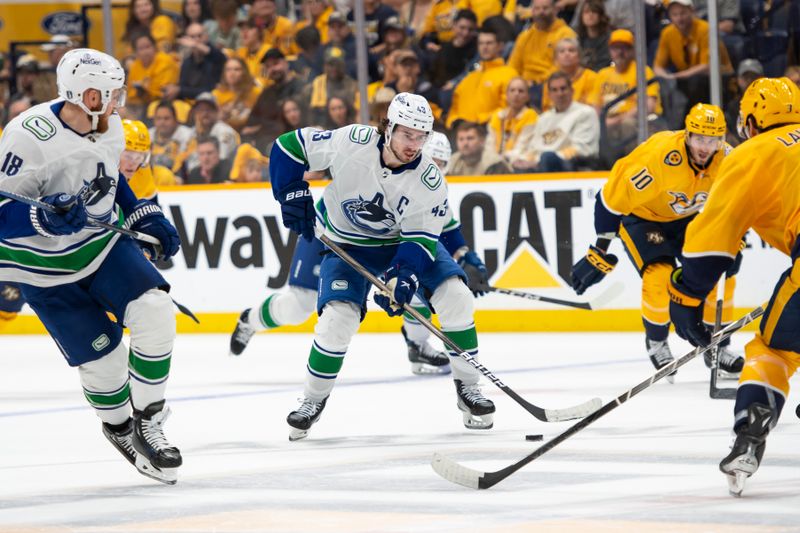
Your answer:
<point x="494" y="321"/>
<point x="525" y="271"/>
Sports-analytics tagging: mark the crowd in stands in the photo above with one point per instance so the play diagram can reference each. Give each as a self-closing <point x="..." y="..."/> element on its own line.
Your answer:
<point x="518" y="86"/>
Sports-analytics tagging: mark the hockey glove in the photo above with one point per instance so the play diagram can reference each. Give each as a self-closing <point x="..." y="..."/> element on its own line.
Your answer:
<point x="477" y="275"/>
<point x="297" y="209"/>
<point x="686" y="312"/>
<point x="402" y="283"/>
<point x="592" y="269"/>
<point x="69" y="217"/>
<point x="148" y="218"/>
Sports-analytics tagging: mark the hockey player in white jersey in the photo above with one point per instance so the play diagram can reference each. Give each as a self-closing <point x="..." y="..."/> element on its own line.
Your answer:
<point x="66" y="152"/>
<point x="294" y="305"/>
<point x="387" y="204"/>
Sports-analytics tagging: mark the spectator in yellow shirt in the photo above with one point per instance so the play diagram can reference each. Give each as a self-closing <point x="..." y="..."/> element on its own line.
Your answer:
<point x="534" y="49"/>
<point x="683" y="55"/>
<point x="278" y="30"/>
<point x="317" y="13"/>
<point x="483" y="9"/>
<point x="438" y="25"/>
<point x="253" y="49"/>
<point x="236" y="93"/>
<point x="617" y="79"/>
<point x="482" y="91"/>
<point x="512" y="126"/>
<point x="568" y="61"/>
<point x="149" y="73"/>
<point x="248" y="164"/>
<point x="145" y="16"/>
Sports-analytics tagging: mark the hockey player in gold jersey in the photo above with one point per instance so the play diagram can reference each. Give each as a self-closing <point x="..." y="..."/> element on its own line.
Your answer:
<point x="135" y="162"/>
<point x="650" y="197"/>
<point x="758" y="187"/>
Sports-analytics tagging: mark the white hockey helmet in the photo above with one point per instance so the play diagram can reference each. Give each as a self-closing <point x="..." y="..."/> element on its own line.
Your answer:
<point x="438" y="147"/>
<point x="82" y="69"/>
<point x="409" y="110"/>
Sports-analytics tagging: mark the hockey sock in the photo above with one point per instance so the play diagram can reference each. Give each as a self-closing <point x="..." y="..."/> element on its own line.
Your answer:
<point x="467" y="340"/>
<point x="288" y="308"/>
<point x="105" y="386"/>
<point x="415" y="331"/>
<point x="335" y="328"/>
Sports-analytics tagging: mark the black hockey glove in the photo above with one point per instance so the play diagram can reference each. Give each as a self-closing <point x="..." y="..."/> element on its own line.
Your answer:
<point x="592" y="269"/>
<point x="148" y="218"/>
<point x="403" y="283"/>
<point x="69" y="217"/>
<point x="686" y="312"/>
<point x="297" y="209"/>
<point x="477" y="275"/>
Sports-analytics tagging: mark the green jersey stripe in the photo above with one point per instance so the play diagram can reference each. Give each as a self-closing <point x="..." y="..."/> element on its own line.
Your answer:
<point x="429" y="245"/>
<point x="72" y="261"/>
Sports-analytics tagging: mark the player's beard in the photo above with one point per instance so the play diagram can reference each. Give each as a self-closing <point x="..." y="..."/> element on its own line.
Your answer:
<point x="102" y="120"/>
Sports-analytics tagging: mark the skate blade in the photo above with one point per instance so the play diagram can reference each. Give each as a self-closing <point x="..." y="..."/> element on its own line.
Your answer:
<point x="297" y="434"/>
<point x="670" y="378"/>
<point x="736" y="481"/>
<point x="478" y="421"/>
<point x="425" y="369"/>
<point x="727" y="376"/>
<point x="168" y="476"/>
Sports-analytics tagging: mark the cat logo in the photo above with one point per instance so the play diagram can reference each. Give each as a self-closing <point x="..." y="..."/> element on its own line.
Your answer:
<point x="655" y="237"/>
<point x="682" y="205"/>
<point x="673" y="158"/>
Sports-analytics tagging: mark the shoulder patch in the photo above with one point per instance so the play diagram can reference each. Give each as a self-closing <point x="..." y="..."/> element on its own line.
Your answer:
<point x="432" y="178"/>
<point x="674" y="158"/>
<point x="41" y="128"/>
<point x="361" y="134"/>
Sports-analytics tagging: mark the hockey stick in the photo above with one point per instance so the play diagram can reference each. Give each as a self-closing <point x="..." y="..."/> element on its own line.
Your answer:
<point x="475" y="479"/>
<point x="545" y="415"/>
<point x="110" y="227"/>
<point x="713" y="391"/>
<point x="599" y="301"/>
<point x="116" y="229"/>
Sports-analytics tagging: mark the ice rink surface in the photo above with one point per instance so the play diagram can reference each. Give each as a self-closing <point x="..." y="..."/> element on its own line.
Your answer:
<point x="650" y="465"/>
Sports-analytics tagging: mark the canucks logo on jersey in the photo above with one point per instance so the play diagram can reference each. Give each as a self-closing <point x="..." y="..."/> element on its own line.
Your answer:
<point x="94" y="192"/>
<point x="369" y="215"/>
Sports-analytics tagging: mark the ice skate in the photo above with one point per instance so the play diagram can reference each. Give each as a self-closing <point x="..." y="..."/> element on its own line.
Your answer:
<point x="242" y="334"/>
<point x="425" y="359"/>
<point x="660" y="355"/>
<point x="748" y="448"/>
<point x="478" y="411"/>
<point x="156" y="457"/>
<point x="122" y="438"/>
<point x="304" y="417"/>
<point x="729" y="363"/>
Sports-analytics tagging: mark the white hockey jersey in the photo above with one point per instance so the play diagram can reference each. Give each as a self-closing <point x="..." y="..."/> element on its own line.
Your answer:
<point x="41" y="155"/>
<point x="367" y="203"/>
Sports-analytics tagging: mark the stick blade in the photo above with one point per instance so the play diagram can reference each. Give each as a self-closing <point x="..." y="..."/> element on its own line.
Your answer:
<point x="456" y="473"/>
<point x="611" y="293"/>
<point x="573" y="413"/>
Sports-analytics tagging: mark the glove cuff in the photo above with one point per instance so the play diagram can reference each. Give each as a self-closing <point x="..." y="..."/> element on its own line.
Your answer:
<point x="144" y="209"/>
<point x="36" y="223"/>
<point x="602" y="262"/>
<point x="677" y="295"/>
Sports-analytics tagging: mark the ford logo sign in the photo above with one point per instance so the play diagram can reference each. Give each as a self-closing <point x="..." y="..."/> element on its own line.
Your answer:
<point x="63" y="23"/>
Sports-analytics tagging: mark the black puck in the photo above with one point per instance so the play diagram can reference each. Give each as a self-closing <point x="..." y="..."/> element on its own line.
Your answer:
<point x="797" y="410"/>
<point x="539" y="437"/>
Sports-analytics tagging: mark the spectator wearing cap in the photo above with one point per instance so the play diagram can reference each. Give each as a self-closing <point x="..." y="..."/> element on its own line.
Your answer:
<point x="533" y="51"/>
<point x="56" y="48"/>
<point x="437" y="28"/>
<point x="408" y="79"/>
<point x="513" y="125"/>
<point x="617" y="79"/>
<point x="263" y="126"/>
<point x="309" y="59"/>
<point x="683" y="57"/>
<point x="453" y="57"/>
<point x="568" y="61"/>
<point x="593" y="32"/>
<point x="394" y="36"/>
<point x="211" y="166"/>
<point x="334" y="82"/>
<point x="205" y="114"/>
<point x="749" y="70"/>
<point x="150" y="72"/>
<point x="341" y="36"/>
<point x="278" y="30"/>
<point x="375" y="12"/>
<point x="482" y="91"/>
<point x="567" y="131"/>
<point x="145" y="16"/>
<point x="236" y="93"/>
<point x="253" y="49"/>
<point x="473" y="157"/>
<point x="201" y="69"/>
<point x="30" y="81"/>
<point x="223" y="32"/>
<point x="483" y="9"/>
<point x="169" y="138"/>
<point x="316" y="13"/>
